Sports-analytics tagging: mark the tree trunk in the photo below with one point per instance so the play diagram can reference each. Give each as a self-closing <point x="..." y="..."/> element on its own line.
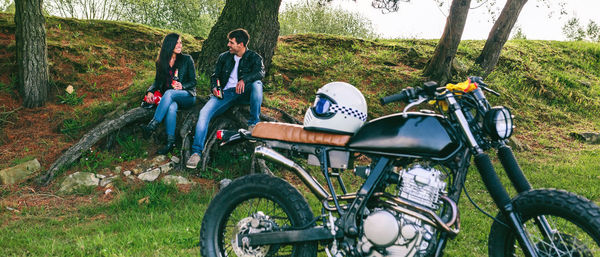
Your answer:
<point x="498" y="36"/>
<point x="259" y="18"/>
<point x="438" y="67"/>
<point x="32" y="56"/>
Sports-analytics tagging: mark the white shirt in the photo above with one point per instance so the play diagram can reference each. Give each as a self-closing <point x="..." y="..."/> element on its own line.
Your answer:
<point x="233" y="78"/>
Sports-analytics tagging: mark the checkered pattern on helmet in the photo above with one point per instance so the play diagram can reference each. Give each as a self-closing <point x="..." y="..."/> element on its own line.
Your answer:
<point x="348" y="111"/>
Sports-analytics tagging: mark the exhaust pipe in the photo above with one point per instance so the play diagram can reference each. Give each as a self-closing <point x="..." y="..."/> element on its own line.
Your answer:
<point x="269" y="154"/>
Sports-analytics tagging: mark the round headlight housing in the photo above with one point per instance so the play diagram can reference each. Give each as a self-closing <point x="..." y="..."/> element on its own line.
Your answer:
<point x="498" y="123"/>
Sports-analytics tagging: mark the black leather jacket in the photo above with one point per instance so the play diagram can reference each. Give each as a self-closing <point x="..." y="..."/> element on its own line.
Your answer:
<point x="187" y="76"/>
<point x="250" y="68"/>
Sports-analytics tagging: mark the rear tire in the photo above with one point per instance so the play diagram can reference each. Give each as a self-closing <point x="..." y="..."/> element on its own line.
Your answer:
<point x="576" y="219"/>
<point x="231" y="208"/>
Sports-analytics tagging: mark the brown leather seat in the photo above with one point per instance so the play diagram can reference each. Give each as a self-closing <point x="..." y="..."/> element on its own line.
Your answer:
<point x="296" y="133"/>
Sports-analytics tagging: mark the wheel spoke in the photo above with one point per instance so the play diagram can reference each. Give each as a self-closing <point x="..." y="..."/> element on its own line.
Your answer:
<point x="246" y="210"/>
<point x="236" y="212"/>
<point x="568" y="239"/>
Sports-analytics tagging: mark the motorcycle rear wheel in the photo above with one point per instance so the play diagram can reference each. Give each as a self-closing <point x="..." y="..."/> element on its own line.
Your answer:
<point x="276" y="202"/>
<point x="575" y="220"/>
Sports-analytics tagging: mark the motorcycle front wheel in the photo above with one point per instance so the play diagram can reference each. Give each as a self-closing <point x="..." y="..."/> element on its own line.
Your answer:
<point x="254" y="204"/>
<point x="574" y="224"/>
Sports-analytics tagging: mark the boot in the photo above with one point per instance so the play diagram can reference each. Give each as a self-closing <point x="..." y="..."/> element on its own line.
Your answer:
<point x="151" y="127"/>
<point x="168" y="147"/>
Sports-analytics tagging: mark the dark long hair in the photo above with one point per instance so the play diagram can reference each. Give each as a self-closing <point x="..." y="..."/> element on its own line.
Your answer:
<point x="164" y="56"/>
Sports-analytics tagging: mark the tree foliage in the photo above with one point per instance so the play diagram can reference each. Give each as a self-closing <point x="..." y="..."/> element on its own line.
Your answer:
<point x="7" y="6"/>
<point x="518" y="34"/>
<point x="195" y="17"/>
<point x="314" y="17"/>
<point x="573" y="30"/>
<point x="84" y="9"/>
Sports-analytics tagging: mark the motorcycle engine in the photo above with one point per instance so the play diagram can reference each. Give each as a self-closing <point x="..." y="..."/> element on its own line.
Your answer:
<point x="391" y="233"/>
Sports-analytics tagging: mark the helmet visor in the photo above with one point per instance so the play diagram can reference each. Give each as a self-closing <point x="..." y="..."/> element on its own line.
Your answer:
<point x="322" y="105"/>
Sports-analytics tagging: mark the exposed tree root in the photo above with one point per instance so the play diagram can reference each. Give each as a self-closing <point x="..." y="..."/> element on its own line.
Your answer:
<point x="233" y="119"/>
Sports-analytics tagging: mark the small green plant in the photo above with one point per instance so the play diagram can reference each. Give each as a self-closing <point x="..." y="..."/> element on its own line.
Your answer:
<point x="94" y="88"/>
<point x="131" y="148"/>
<point x="117" y="97"/>
<point x="71" y="127"/>
<point x="71" y="99"/>
<point x="22" y="160"/>
<point x="5" y="88"/>
<point x="92" y="161"/>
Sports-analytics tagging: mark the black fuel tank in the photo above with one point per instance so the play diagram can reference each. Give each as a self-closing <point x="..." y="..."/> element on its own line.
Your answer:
<point x="418" y="134"/>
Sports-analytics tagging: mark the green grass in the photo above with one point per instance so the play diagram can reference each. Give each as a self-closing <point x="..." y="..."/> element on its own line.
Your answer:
<point x="168" y="225"/>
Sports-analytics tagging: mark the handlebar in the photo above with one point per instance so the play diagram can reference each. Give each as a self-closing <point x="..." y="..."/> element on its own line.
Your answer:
<point x="409" y="93"/>
<point x="404" y="96"/>
<point x="428" y="90"/>
<point x="482" y="85"/>
<point x="478" y="80"/>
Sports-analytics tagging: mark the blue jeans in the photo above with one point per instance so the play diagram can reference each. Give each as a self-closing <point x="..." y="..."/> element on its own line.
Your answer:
<point x="252" y="93"/>
<point x="169" y="103"/>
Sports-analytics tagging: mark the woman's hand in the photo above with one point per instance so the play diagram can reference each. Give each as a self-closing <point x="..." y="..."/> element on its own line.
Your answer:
<point x="149" y="98"/>
<point x="177" y="85"/>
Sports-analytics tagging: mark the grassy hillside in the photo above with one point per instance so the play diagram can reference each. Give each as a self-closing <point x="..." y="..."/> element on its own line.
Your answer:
<point x="552" y="87"/>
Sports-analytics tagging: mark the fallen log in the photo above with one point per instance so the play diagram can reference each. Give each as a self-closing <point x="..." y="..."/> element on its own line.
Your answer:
<point x="234" y="118"/>
<point x="93" y="136"/>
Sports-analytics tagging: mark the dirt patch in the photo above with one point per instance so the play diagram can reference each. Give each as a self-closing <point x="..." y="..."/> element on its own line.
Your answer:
<point x="31" y="132"/>
<point x="29" y="197"/>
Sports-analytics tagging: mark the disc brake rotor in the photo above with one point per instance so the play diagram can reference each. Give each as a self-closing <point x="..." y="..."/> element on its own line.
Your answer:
<point x="245" y="227"/>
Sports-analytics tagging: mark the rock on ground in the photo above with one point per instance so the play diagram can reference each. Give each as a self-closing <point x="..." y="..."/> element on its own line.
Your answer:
<point x="19" y="172"/>
<point x="78" y="180"/>
<point x="170" y="179"/>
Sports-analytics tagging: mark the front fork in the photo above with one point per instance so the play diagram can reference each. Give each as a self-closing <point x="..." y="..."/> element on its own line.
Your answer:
<point x="492" y="181"/>
<point x="502" y="200"/>
<point x="517" y="178"/>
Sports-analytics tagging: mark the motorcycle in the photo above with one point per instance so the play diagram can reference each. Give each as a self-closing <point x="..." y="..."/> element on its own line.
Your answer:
<point x="407" y="204"/>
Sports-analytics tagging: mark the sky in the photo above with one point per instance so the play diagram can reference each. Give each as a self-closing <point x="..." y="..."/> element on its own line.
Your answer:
<point x="423" y="19"/>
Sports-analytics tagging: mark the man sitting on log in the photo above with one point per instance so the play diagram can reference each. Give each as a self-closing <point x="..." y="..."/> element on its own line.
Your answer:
<point x="240" y="70"/>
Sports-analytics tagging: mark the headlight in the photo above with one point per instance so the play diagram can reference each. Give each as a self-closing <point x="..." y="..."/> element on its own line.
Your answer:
<point x="498" y="123"/>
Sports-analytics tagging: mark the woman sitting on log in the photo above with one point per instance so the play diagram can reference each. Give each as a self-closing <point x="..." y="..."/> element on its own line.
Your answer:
<point x="174" y="87"/>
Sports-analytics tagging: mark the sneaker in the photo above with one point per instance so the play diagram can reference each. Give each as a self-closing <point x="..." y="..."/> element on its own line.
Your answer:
<point x="193" y="161"/>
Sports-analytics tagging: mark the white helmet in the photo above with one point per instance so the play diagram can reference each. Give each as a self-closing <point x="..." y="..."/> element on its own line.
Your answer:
<point x="339" y="107"/>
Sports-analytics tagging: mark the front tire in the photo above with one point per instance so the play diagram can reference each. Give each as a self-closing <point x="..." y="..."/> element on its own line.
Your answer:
<point x="574" y="219"/>
<point x="271" y="199"/>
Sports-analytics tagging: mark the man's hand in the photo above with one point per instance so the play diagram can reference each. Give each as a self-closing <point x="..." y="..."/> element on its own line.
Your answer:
<point x="149" y="98"/>
<point x="177" y="85"/>
<point x="239" y="88"/>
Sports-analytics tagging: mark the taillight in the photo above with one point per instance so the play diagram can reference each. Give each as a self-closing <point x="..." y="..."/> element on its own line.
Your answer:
<point x="220" y="134"/>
